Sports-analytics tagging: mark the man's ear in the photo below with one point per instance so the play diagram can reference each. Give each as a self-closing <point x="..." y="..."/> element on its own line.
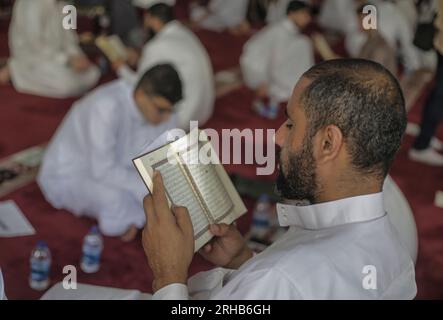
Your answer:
<point x="330" y="142"/>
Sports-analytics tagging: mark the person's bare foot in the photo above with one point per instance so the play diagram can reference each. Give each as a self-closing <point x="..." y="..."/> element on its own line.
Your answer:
<point x="5" y="76"/>
<point x="130" y="234"/>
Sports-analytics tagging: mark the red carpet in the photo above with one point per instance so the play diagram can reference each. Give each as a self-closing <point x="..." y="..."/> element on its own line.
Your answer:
<point x="27" y="120"/>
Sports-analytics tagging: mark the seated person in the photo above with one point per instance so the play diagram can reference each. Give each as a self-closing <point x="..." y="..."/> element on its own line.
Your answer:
<point x="46" y="59"/>
<point x="220" y="15"/>
<point x="376" y="48"/>
<point x="175" y="44"/>
<point x="274" y="58"/>
<point x="87" y="168"/>
<point x="346" y="120"/>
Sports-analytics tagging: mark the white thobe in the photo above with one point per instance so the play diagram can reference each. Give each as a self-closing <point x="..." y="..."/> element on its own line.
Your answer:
<point x="2" y="287"/>
<point x="392" y="25"/>
<point x="40" y="50"/>
<point x="345" y="249"/>
<point x="88" y="169"/>
<point x="223" y="14"/>
<point x="277" y="56"/>
<point x="177" y="45"/>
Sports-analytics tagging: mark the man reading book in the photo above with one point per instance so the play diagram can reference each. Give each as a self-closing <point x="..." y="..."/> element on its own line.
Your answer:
<point x="346" y="120"/>
<point x="88" y="169"/>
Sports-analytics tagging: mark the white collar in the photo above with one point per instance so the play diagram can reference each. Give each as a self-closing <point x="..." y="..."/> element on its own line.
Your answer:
<point x="333" y="213"/>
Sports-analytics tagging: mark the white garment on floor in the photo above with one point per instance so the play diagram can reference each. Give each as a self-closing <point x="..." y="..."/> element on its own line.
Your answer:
<point x="89" y="292"/>
<point x="177" y="45"/>
<point x="88" y="169"/>
<point x="223" y="14"/>
<point x="2" y="287"/>
<point x="40" y="50"/>
<point x="277" y="55"/>
<point x="328" y="253"/>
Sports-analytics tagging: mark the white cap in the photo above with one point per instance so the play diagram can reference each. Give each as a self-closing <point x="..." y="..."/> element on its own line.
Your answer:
<point x="146" y="4"/>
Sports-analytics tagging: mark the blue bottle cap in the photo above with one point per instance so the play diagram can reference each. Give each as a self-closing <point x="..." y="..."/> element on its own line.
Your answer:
<point x="94" y="229"/>
<point x="41" y="244"/>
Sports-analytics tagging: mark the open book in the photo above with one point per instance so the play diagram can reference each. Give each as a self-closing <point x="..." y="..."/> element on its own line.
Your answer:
<point x="112" y="47"/>
<point x="203" y="187"/>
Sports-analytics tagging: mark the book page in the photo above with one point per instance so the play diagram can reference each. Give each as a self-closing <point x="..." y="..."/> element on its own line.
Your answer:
<point x="208" y="183"/>
<point x="180" y="194"/>
<point x="204" y="189"/>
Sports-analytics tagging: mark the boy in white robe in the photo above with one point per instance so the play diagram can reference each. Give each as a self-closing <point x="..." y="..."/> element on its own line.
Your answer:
<point x="88" y="168"/>
<point x="175" y="44"/>
<point x="46" y="59"/>
<point x="274" y="59"/>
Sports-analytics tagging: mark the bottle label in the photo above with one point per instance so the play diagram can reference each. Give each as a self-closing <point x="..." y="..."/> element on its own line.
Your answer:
<point x="91" y="256"/>
<point x="40" y="270"/>
<point x="91" y="259"/>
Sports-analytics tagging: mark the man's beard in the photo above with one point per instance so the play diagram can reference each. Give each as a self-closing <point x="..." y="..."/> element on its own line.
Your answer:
<point x="300" y="181"/>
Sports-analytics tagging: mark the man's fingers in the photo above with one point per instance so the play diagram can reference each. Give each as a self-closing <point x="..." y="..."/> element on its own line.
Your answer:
<point x="184" y="220"/>
<point x="161" y="205"/>
<point x="219" y="230"/>
<point x="148" y="206"/>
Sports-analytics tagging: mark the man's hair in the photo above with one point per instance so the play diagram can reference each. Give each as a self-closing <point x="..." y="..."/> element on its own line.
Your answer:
<point x="162" y="11"/>
<point x="162" y="80"/>
<point x="365" y="101"/>
<point x="296" y="5"/>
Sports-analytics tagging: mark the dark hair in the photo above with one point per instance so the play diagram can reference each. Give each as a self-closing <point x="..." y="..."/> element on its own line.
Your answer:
<point x="366" y="102"/>
<point x="162" y="11"/>
<point x="296" y="5"/>
<point x="162" y="80"/>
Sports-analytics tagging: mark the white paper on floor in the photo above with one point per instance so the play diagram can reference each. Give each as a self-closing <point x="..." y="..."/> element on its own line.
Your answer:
<point x="13" y="222"/>
<point x="439" y="199"/>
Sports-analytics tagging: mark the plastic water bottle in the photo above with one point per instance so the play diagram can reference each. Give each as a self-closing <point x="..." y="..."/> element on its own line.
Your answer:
<point x="92" y="250"/>
<point x="40" y="265"/>
<point x="261" y="217"/>
<point x="273" y="109"/>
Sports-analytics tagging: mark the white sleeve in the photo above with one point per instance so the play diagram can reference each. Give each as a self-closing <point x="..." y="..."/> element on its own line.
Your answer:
<point x="175" y="291"/>
<point x="269" y="284"/>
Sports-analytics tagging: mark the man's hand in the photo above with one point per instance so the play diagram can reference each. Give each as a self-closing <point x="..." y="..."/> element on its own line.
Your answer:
<point x="80" y="63"/>
<point x="228" y="249"/>
<point x="168" y="238"/>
